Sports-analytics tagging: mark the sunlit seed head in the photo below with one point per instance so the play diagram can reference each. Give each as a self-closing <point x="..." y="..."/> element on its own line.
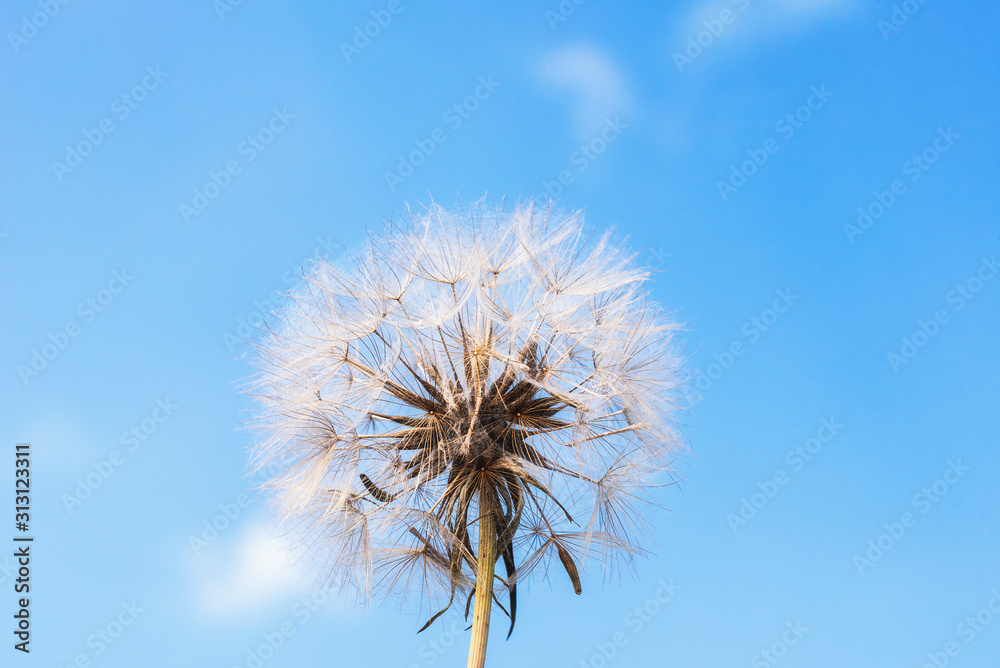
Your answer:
<point x="462" y="361"/>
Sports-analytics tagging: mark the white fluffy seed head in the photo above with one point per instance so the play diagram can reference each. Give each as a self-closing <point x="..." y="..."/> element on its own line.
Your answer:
<point x="456" y="344"/>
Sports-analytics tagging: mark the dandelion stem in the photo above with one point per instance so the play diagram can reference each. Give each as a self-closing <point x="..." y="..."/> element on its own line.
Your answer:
<point x="484" y="584"/>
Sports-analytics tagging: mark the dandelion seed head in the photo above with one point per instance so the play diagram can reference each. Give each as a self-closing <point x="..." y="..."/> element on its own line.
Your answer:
<point x="463" y="360"/>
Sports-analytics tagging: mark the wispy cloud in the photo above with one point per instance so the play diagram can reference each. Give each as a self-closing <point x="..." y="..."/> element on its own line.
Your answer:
<point x="785" y="15"/>
<point x="593" y="81"/>
<point x="752" y="22"/>
<point x="245" y="575"/>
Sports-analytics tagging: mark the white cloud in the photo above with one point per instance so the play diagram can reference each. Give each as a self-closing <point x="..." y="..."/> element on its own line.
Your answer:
<point x="787" y="15"/>
<point x="247" y="574"/>
<point x="755" y="21"/>
<point x="592" y="79"/>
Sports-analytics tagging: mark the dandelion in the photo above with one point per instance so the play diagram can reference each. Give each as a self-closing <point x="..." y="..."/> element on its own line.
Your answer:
<point x="470" y="389"/>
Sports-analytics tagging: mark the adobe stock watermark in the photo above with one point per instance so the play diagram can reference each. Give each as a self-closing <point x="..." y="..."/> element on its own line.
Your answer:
<point x="291" y="278"/>
<point x="7" y="569"/>
<point x="914" y="168"/>
<point x="248" y="150"/>
<point x="636" y="620"/>
<point x="899" y="17"/>
<point x="133" y="438"/>
<point x="562" y="12"/>
<point x="958" y="297"/>
<point x="381" y="18"/>
<point x="967" y="630"/>
<point x="32" y="23"/>
<point x="435" y="648"/>
<point x="454" y="116"/>
<point x="656" y="258"/>
<point x="786" y="126"/>
<point x="752" y="329"/>
<point x="796" y="459"/>
<point x="213" y="528"/>
<point x="86" y="312"/>
<point x="713" y="29"/>
<point x="776" y="651"/>
<point x="101" y="640"/>
<point x="585" y="155"/>
<point x="223" y="7"/>
<point x="923" y="501"/>
<point x="122" y="107"/>
<point x="271" y="641"/>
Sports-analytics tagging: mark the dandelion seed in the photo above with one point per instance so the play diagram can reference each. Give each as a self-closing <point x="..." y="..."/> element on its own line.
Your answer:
<point x="479" y="387"/>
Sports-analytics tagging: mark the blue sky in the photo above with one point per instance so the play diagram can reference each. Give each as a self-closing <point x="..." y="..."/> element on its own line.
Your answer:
<point x="167" y="168"/>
